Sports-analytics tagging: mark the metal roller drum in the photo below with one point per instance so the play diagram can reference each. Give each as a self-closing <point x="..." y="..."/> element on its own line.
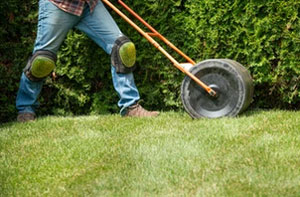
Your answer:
<point x="231" y="81"/>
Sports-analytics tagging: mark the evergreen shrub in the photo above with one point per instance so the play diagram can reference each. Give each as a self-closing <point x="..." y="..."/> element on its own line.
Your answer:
<point x="262" y="35"/>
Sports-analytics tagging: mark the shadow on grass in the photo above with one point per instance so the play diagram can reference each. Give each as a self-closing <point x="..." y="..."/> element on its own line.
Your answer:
<point x="7" y="124"/>
<point x="257" y="111"/>
<point x="251" y="112"/>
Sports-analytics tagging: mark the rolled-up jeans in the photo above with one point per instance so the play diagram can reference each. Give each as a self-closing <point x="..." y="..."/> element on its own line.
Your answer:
<point x="53" y="26"/>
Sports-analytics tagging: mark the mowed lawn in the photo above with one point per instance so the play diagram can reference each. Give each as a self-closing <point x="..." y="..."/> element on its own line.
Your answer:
<point x="255" y="154"/>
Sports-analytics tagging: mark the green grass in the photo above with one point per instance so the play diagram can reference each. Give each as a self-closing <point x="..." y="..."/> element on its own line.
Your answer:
<point x="256" y="154"/>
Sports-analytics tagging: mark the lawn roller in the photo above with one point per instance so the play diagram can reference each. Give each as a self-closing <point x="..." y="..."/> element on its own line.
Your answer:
<point x="211" y="88"/>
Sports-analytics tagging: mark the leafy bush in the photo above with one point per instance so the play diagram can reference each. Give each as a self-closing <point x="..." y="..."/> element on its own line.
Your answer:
<point x="262" y="35"/>
<point x="17" y="34"/>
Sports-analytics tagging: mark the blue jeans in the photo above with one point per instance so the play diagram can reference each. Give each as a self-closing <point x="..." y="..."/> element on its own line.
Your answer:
<point x="53" y="26"/>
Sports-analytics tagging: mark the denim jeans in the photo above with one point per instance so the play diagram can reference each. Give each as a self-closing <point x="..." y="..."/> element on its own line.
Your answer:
<point x="53" y="26"/>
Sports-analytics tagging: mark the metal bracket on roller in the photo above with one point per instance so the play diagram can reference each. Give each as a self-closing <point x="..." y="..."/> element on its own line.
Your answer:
<point x="213" y="93"/>
<point x="186" y="66"/>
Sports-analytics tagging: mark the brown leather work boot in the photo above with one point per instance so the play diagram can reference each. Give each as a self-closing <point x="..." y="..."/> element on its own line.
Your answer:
<point x="138" y="111"/>
<point x="25" y="117"/>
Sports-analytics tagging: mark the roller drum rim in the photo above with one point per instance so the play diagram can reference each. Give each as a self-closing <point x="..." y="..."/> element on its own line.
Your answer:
<point x="226" y="77"/>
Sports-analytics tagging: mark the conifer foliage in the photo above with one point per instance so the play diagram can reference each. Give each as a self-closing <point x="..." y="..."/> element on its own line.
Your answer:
<point x="264" y="36"/>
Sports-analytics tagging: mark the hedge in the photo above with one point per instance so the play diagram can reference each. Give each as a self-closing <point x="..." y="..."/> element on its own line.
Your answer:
<point x="262" y="35"/>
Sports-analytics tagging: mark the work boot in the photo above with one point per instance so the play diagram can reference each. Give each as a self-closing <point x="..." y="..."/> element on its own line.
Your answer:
<point x="25" y="117"/>
<point x="138" y="111"/>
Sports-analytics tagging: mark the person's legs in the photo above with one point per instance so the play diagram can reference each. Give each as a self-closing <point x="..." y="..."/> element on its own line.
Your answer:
<point x="53" y="26"/>
<point x="101" y="27"/>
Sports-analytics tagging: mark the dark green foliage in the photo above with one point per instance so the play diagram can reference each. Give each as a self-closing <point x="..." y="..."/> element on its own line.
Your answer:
<point x="17" y="34"/>
<point x="262" y="35"/>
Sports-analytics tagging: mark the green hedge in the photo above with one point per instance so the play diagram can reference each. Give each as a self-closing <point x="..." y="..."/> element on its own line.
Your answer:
<point x="262" y="35"/>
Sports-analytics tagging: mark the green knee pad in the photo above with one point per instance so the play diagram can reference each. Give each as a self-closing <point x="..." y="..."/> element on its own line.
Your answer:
<point x="127" y="54"/>
<point x="123" y="55"/>
<point x="40" y="65"/>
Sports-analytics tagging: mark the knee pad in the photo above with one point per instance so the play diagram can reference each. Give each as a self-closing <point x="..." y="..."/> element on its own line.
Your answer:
<point x="123" y="55"/>
<point x="40" y="65"/>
